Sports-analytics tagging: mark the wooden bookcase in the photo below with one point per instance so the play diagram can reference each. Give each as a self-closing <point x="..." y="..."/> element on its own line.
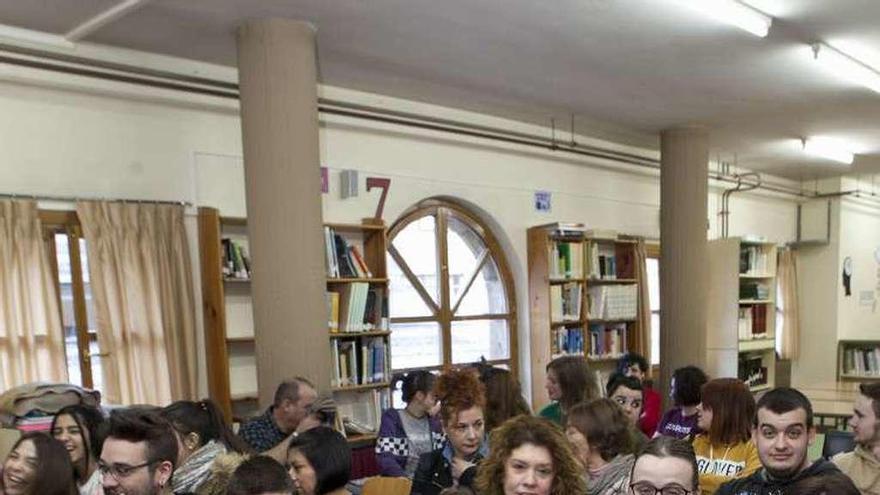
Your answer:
<point x="858" y="360"/>
<point x="229" y="327"/>
<point x="741" y="331"/>
<point x="598" y="331"/>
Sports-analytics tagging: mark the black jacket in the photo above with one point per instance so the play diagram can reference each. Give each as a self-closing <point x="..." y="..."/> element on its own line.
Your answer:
<point x="434" y="473"/>
<point x="760" y="483"/>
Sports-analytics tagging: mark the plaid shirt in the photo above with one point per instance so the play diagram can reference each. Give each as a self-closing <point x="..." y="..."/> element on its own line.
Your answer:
<point x="261" y="433"/>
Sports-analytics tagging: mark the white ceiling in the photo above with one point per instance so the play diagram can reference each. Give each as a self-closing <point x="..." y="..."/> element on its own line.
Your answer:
<point x="625" y="68"/>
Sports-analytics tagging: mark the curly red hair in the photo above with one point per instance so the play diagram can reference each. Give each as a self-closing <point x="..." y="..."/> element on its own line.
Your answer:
<point x="459" y="390"/>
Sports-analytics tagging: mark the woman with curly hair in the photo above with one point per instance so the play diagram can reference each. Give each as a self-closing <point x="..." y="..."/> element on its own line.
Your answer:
<point x="599" y="432"/>
<point x="462" y="401"/>
<point x="530" y="455"/>
<point x="568" y="383"/>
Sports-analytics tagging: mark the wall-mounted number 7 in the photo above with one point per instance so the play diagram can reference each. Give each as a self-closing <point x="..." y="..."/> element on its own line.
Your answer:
<point x="384" y="184"/>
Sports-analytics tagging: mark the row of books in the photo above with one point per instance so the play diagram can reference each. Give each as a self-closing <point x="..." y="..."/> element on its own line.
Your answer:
<point x="608" y="340"/>
<point x="863" y="361"/>
<point x="357" y="307"/>
<point x="565" y="301"/>
<point x="343" y="260"/>
<point x="754" y="290"/>
<point x="754" y="260"/>
<point x="359" y="362"/>
<point x="566" y="260"/>
<point x="752" y="322"/>
<point x="603" y="261"/>
<point x="360" y="413"/>
<point x="567" y="341"/>
<point x="752" y="370"/>
<point x="236" y="262"/>
<point x="613" y="302"/>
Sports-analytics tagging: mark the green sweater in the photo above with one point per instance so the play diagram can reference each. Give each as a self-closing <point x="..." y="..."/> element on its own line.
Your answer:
<point x="553" y="412"/>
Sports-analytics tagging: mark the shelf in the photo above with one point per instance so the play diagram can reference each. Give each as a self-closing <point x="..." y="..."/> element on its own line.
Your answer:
<point x="344" y="335"/>
<point x="231" y="280"/>
<point x="555" y="281"/>
<point x="357" y="388"/>
<point x="359" y="440"/>
<point x="760" y="388"/>
<point x="757" y="345"/>
<point x="756" y="276"/>
<point x="616" y="281"/>
<point x="353" y="280"/>
<point x="566" y="323"/>
<point x="603" y="359"/>
<point x="756" y="301"/>
<point x="244" y="397"/>
<point x="232" y="340"/>
<point x="234" y="221"/>
<point x="596" y="321"/>
<point x="860" y="377"/>
<point x="355" y="227"/>
<point x="564" y="354"/>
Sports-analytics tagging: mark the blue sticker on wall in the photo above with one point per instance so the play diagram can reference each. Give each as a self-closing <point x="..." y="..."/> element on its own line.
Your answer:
<point x="542" y="201"/>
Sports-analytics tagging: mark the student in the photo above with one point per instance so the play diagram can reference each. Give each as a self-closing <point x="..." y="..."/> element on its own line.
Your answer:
<point x="626" y="391"/>
<point x="260" y="475"/>
<point x="202" y="436"/>
<point x="599" y="432"/>
<point x="139" y="453"/>
<point x="636" y="366"/>
<point x="320" y="462"/>
<point x="863" y="463"/>
<point x="724" y="449"/>
<point x="38" y="465"/>
<point x="684" y="390"/>
<point x="833" y="483"/>
<point x="666" y="465"/>
<point x="292" y="401"/>
<point x="783" y="432"/>
<point x="462" y="403"/>
<point x="406" y="434"/>
<point x="80" y="429"/>
<point x="529" y="456"/>
<point x="504" y="398"/>
<point x="568" y="383"/>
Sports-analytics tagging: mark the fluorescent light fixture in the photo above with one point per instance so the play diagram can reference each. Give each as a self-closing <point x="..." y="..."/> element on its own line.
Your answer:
<point x="846" y="67"/>
<point x="828" y="149"/>
<point x="735" y="13"/>
<point x="21" y="35"/>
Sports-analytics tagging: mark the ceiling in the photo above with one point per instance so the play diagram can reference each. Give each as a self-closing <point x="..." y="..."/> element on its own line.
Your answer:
<point x="625" y="68"/>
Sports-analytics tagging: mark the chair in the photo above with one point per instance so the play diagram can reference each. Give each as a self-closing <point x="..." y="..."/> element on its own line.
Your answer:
<point x="383" y="485"/>
<point x="837" y="442"/>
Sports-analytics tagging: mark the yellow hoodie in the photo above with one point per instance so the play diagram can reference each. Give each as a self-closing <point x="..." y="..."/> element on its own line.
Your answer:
<point x="862" y="467"/>
<point x="719" y="464"/>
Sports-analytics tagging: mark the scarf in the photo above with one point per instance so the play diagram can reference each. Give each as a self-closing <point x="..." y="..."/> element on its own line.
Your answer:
<point x="197" y="468"/>
<point x="613" y="478"/>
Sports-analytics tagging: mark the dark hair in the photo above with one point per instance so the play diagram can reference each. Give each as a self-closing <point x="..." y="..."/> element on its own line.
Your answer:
<point x="567" y="473"/>
<point x="733" y="410"/>
<point x="781" y="400"/>
<point x="504" y="398"/>
<point x="672" y="447"/>
<point x="289" y="390"/>
<point x="328" y="453"/>
<point x="53" y="474"/>
<point x="872" y="391"/>
<point x="826" y="483"/>
<point x="459" y="390"/>
<point x="630" y="359"/>
<point x="416" y="381"/>
<point x="92" y="426"/>
<point x="574" y="379"/>
<point x="258" y="475"/>
<point x="688" y="382"/>
<point x="204" y="419"/>
<point x="604" y="424"/>
<point x="145" y="425"/>
<point x="618" y="380"/>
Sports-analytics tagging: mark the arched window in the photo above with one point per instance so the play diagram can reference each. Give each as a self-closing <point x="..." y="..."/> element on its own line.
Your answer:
<point x="452" y="297"/>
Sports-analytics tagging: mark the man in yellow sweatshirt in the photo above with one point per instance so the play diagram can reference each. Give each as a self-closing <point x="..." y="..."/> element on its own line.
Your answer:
<point x="863" y="464"/>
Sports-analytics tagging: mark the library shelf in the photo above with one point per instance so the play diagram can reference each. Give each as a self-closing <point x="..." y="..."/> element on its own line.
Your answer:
<point x="368" y="386"/>
<point x="760" y="388"/>
<point x="611" y="281"/>
<point x="757" y="345"/>
<point x="355" y="335"/>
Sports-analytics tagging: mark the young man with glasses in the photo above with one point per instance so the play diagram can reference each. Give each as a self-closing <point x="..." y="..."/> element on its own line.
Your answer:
<point x="139" y="454"/>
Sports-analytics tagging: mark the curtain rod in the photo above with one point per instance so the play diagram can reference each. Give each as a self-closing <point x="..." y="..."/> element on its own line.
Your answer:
<point x="74" y="199"/>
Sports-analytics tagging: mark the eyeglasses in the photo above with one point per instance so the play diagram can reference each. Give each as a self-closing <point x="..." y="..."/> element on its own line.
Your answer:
<point x="120" y="471"/>
<point x="646" y="488"/>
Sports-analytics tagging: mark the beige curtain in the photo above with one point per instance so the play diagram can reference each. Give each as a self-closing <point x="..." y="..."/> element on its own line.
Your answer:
<point x="31" y="335"/>
<point x="786" y="277"/>
<point x="142" y="286"/>
<point x="642" y="339"/>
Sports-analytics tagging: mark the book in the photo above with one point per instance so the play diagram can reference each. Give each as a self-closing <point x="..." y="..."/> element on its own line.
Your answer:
<point x="333" y="311"/>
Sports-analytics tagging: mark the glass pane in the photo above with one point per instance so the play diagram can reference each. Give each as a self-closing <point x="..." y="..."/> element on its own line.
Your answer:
<point x="94" y="349"/>
<point x="464" y="248"/>
<point x="414" y="345"/>
<point x="486" y="296"/>
<point x="417" y="244"/>
<point x="68" y="319"/>
<point x="652" y="266"/>
<point x="472" y="340"/>
<point x="404" y="300"/>
<point x="655" y="338"/>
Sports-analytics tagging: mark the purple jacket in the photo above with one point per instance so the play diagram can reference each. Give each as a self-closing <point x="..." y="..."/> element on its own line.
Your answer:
<point x="392" y="446"/>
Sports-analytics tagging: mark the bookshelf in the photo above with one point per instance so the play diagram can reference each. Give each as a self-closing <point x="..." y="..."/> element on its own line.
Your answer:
<point x="583" y="297"/>
<point x="362" y="391"/>
<point x="741" y="333"/>
<point x="858" y="360"/>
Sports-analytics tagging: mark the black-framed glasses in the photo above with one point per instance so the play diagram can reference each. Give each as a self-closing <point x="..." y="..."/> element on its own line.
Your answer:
<point x="120" y="471"/>
<point x="646" y="488"/>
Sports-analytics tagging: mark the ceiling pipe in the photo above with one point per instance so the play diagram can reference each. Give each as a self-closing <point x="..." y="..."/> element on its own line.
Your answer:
<point x="108" y="16"/>
<point x="725" y="198"/>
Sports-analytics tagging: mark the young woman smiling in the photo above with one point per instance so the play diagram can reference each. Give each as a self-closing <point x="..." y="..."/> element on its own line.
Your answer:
<point x="38" y="465"/>
<point x="81" y="430"/>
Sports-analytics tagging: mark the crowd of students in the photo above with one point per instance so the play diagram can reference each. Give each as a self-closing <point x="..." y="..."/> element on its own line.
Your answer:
<point x="465" y="431"/>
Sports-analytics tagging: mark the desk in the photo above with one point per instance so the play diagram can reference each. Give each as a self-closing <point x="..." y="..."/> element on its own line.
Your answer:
<point x="832" y="407"/>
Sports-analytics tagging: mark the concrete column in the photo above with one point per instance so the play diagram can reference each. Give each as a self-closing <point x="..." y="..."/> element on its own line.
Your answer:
<point x="279" y="116"/>
<point x="684" y="192"/>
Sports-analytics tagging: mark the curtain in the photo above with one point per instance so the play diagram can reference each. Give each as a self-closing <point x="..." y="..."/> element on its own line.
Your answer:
<point x="142" y="287"/>
<point x="31" y="335"/>
<point x="642" y="339"/>
<point x="786" y="278"/>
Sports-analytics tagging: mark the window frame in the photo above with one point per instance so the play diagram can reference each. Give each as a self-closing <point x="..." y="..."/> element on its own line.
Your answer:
<point x="444" y="311"/>
<point x="652" y="251"/>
